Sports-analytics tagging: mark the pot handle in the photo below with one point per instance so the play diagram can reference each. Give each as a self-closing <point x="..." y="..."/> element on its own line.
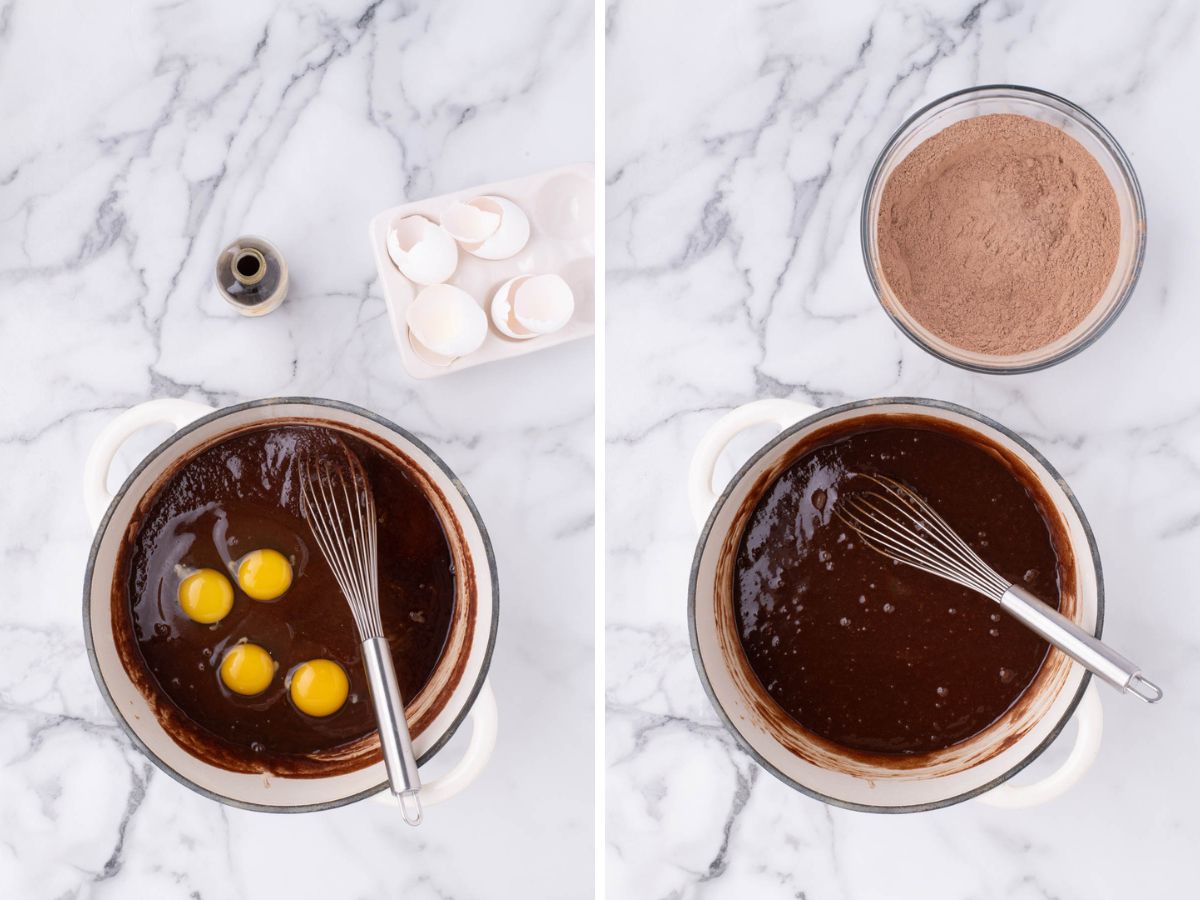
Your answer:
<point x="479" y="750"/>
<point x="167" y="411"/>
<point x="1090" y="718"/>
<point x="778" y="411"/>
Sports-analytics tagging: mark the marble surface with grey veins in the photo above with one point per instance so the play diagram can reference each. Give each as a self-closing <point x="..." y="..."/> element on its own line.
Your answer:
<point x="739" y="139"/>
<point x="138" y="138"/>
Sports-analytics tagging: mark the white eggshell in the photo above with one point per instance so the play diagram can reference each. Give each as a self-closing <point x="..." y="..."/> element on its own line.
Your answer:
<point x="423" y="353"/>
<point x="447" y="321"/>
<point x="422" y="251"/>
<point x="509" y="237"/>
<point x="502" y="310"/>
<point x="543" y="303"/>
<point x="565" y="206"/>
<point x="471" y="223"/>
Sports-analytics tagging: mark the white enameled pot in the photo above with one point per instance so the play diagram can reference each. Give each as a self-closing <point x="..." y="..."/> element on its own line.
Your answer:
<point x="977" y="767"/>
<point x="458" y="688"/>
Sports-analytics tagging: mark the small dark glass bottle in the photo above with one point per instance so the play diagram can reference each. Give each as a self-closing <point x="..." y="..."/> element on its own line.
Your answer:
<point x="252" y="276"/>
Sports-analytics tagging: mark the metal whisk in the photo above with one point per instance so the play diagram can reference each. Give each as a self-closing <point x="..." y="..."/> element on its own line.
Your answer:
<point x="339" y="506"/>
<point x="894" y="521"/>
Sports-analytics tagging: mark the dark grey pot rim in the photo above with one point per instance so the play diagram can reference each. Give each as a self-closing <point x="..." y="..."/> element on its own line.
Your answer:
<point x="706" y="533"/>
<point x="1125" y="164"/>
<point x="164" y="446"/>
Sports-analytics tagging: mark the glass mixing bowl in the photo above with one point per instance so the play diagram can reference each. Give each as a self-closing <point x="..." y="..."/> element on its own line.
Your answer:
<point x="1046" y="107"/>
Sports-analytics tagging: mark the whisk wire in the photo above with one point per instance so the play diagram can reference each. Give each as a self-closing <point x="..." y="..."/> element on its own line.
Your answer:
<point x="932" y="523"/>
<point x="897" y="523"/>
<point x="355" y="513"/>
<point x="875" y="535"/>
<point x="928" y="524"/>
<point x="345" y="530"/>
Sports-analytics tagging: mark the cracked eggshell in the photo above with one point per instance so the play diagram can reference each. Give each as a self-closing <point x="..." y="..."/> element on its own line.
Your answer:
<point x="511" y="234"/>
<point x="446" y="321"/>
<point x="565" y="206"/>
<point x="502" y="310"/>
<point x="543" y="304"/>
<point x="423" y="353"/>
<point x="423" y="251"/>
<point x="471" y="223"/>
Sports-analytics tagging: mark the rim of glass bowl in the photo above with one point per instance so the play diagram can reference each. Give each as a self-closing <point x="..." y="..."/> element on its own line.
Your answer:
<point x="1060" y="105"/>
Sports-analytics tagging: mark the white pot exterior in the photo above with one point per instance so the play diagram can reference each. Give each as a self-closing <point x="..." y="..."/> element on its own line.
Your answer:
<point x="264" y="791"/>
<point x="968" y="769"/>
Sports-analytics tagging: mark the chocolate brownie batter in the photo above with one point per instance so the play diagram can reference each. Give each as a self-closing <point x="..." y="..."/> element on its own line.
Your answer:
<point x="241" y="495"/>
<point x="877" y="656"/>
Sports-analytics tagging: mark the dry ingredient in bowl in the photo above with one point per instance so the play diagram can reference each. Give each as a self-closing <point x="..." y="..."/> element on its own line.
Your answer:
<point x="999" y="234"/>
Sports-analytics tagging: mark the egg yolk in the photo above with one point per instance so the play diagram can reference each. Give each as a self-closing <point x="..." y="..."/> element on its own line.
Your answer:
<point x="265" y="574"/>
<point x="319" y="687"/>
<point x="247" y="669"/>
<point x="206" y="596"/>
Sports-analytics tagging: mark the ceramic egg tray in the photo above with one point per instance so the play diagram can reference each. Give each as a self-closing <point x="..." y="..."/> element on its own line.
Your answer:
<point x="560" y="207"/>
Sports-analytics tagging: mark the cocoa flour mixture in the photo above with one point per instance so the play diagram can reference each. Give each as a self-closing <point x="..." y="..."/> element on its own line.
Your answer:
<point x="999" y="234"/>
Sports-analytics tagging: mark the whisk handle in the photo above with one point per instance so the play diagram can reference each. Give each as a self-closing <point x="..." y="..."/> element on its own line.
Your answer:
<point x="1086" y="649"/>
<point x="393" y="728"/>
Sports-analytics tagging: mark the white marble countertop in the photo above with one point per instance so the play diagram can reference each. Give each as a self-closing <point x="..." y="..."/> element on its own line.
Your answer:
<point x="138" y="139"/>
<point x="737" y="152"/>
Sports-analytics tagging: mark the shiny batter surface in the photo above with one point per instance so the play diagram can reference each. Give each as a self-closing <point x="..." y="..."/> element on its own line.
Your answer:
<point x="240" y="495"/>
<point x="871" y="654"/>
